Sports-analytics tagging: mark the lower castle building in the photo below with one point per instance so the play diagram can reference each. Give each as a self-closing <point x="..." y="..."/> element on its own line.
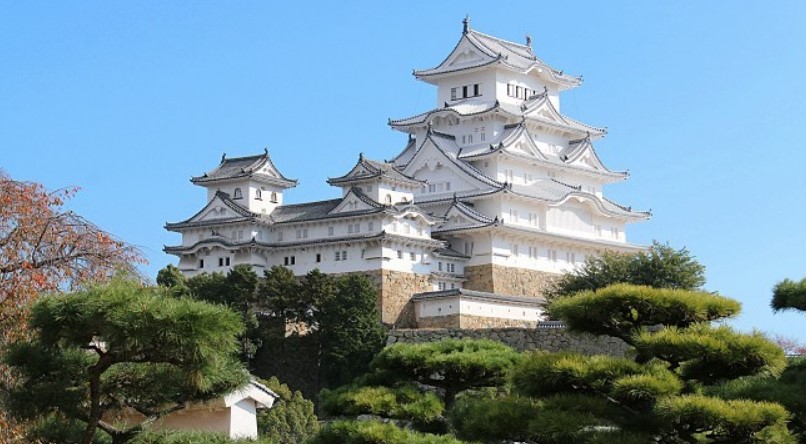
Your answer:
<point x="494" y="193"/>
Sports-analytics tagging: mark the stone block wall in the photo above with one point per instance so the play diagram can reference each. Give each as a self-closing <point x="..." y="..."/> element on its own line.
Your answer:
<point x="395" y="289"/>
<point x="522" y="339"/>
<point x="507" y="280"/>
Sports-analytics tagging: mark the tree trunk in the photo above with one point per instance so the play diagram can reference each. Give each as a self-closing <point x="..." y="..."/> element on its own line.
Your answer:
<point x="95" y="397"/>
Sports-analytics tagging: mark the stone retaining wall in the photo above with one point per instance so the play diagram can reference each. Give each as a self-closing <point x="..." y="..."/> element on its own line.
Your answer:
<point x="395" y="289"/>
<point x="549" y="339"/>
<point x="507" y="280"/>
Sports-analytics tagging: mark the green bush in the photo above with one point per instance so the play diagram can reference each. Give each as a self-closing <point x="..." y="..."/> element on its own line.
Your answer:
<point x="291" y="420"/>
<point x="542" y="374"/>
<point x="491" y="419"/>
<point x="712" y="354"/>
<point x="789" y="295"/>
<point x="181" y="437"/>
<point x="787" y="390"/>
<point x="405" y="402"/>
<point x="621" y="310"/>
<point x="372" y="432"/>
<point x="730" y="421"/>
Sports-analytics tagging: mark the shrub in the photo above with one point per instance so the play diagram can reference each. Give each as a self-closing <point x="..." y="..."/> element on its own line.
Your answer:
<point x="406" y="402"/>
<point x="372" y="432"/>
<point x="291" y="420"/>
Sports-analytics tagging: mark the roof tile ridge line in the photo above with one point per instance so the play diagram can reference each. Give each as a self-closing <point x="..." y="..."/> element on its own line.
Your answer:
<point x="449" y="71"/>
<point x="364" y="198"/>
<point x="271" y="163"/>
<point x="472" y="212"/>
<point x="462" y="164"/>
<point x="495" y="105"/>
<point x="412" y="142"/>
<point x="314" y="202"/>
<point x="626" y="208"/>
<point x="359" y="162"/>
<point x="414" y="71"/>
<point x="581" y="147"/>
<point x="575" y="187"/>
<point x="486" y="49"/>
<point x="509" y="42"/>
<point x="259" y="161"/>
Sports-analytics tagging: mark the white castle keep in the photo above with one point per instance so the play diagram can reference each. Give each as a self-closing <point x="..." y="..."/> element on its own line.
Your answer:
<point x="495" y="192"/>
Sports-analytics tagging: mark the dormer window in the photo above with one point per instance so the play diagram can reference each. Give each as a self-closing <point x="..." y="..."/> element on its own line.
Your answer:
<point x="237" y="194"/>
<point x="273" y="197"/>
<point x="258" y="194"/>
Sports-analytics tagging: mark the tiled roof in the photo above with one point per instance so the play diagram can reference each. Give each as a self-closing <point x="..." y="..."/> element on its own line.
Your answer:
<point x="244" y="214"/>
<point x="556" y="191"/>
<point x="245" y="167"/>
<point x="513" y="55"/>
<point x="492" y="297"/>
<point x="366" y="169"/>
<point x="226" y="242"/>
<point x="473" y="107"/>
<point x="451" y="253"/>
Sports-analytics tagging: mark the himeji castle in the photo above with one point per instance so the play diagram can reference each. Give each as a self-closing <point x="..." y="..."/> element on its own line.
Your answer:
<point x="495" y="192"/>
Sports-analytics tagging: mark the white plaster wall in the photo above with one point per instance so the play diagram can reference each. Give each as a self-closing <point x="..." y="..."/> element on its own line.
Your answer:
<point x="485" y="79"/>
<point x="475" y="307"/>
<point x="243" y="419"/>
<point x="198" y="419"/>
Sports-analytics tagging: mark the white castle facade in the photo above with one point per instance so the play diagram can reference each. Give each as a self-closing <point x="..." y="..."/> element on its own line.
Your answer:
<point x="495" y="192"/>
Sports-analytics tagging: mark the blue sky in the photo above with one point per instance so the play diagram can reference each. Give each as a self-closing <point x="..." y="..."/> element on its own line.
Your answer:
<point x="704" y="101"/>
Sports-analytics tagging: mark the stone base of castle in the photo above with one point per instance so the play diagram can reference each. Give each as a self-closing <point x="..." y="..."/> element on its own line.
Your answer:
<point x="395" y="289"/>
<point x="507" y="280"/>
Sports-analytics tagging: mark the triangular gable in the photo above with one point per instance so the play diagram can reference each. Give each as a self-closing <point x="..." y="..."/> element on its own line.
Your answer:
<point x="430" y="156"/>
<point x="584" y="156"/>
<point x="354" y="201"/>
<point x="466" y="54"/>
<point x="220" y="208"/>
<point x="521" y="143"/>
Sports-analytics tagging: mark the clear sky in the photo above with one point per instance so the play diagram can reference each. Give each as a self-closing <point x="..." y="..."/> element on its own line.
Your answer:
<point x="704" y="101"/>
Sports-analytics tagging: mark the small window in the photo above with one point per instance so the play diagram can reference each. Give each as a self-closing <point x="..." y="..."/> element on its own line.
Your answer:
<point x="344" y="255"/>
<point x="318" y="257"/>
<point x="258" y="194"/>
<point x="453" y="93"/>
<point x="439" y="266"/>
<point x="293" y="260"/>
<point x="221" y="262"/>
<point x="226" y="261"/>
<point x="412" y="256"/>
<point x="400" y="254"/>
<point x="201" y="263"/>
<point x="338" y="256"/>
<point x="388" y="199"/>
<point x="236" y="194"/>
<point x="476" y="89"/>
<point x="273" y="197"/>
<point x="464" y="92"/>
<point x="285" y="261"/>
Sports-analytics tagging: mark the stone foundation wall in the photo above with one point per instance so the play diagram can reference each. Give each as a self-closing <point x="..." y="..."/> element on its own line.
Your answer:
<point x="395" y="289"/>
<point x="549" y="339"/>
<point x="472" y="322"/>
<point x="507" y="280"/>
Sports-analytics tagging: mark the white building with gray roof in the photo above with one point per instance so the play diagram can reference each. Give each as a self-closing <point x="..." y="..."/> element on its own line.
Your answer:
<point x="495" y="193"/>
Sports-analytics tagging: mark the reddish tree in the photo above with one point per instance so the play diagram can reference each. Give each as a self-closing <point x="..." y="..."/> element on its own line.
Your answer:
<point x="46" y="248"/>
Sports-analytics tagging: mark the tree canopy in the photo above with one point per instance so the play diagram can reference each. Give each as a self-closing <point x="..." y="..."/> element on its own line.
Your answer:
<point x="659" y="266"/>
<point x="789" y="295"/>
<point x="122" y="345"/>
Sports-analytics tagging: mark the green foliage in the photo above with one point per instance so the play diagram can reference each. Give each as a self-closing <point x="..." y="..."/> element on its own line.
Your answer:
<point x="453" y="365"/>
<point x="789" y="295"/>
<point x="734" y="421"/>
<point x="177" y="437"/>
<point x="545" y="374"/>
<point x="56" y="429"/>
<point x="291" y="420"/>
<point x="405" y="402"/>
<point x="660" y="266"/>
<point x="371" y="432"/>
<point x="349" y="330"/>
<point x="712" y="354"/>
<point x="171" y="277"/>
<point x="281" y="294"/>
<point x="787" y="390"/>
<point x="559" y="419"/>
<point x="122" y="345"/>
<point x="621" y="310"/>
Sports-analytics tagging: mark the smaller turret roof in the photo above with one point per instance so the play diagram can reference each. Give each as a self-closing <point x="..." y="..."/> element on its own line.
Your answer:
<point x="258" y="168"/>
<point x="366" y="169"/>
<point x="493" y="50"/>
